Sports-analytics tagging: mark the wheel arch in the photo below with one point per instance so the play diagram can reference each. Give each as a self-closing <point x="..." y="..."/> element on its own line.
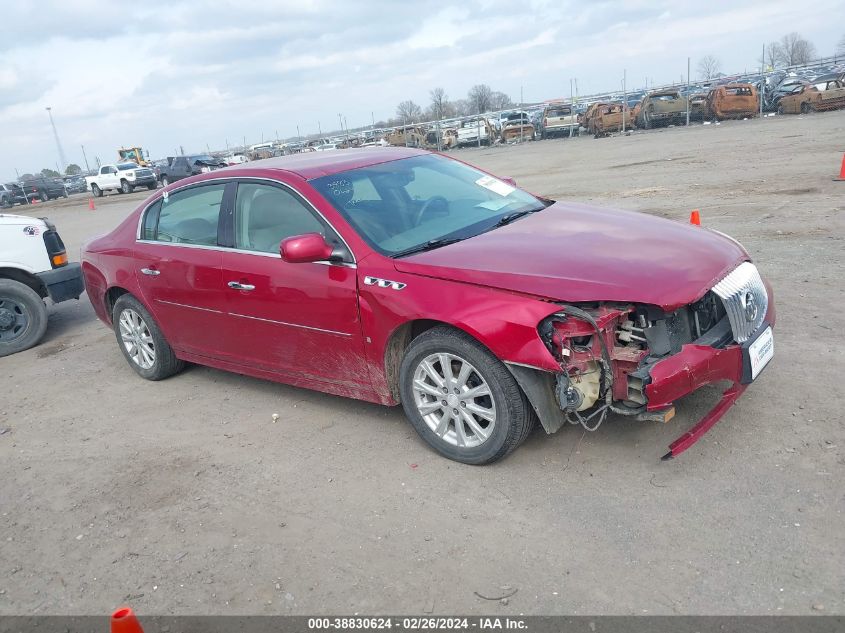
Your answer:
<point x="111" y="296"/>
<point x="398" y="342"/>
<point x="24" y="277"/>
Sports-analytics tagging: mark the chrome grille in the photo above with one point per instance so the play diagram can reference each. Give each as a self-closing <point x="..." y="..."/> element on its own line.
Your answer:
<point x="745" y="299"/>
<point x="143" y="172"/>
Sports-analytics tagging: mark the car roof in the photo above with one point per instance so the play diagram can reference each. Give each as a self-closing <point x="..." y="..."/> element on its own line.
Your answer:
<point x="316" y="164"/>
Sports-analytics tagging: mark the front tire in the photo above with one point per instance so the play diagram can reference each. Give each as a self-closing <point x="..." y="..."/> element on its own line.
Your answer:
<point x="165" y="181"/>
<point x="152" y="186"/>
<point x="96" y="190"/>
<point x="485" y="415"/>
<point x="125" y="187"/>
<point x="23" y="317"/>
<point x="142" y="342"/>
<point x="44" y="197"/>
<point x="805" y="108"/>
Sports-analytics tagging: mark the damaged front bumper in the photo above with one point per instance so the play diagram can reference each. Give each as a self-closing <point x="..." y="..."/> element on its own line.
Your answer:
<point x="611" y="364"/>
<point x="698" y="365"/>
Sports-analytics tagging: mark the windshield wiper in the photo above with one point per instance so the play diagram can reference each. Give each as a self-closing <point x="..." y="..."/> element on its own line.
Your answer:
<point x="427" y="246"/>
<point x="510" y="217"/>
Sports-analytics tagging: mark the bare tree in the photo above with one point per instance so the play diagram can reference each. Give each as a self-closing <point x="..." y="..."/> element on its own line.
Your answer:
<point x="439" y="103"/>
<point x="480" y="96"/>
<point x="409" y="111"/>
<point x="794" y="49"/>
<point x="709" y="67"/>
<point x="500" y="101"/>
<point x="771" y="57"/>
<point x="463" y="107"/>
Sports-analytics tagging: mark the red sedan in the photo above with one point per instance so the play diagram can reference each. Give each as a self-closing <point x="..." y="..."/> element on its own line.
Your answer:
<point x="400" y="276"/>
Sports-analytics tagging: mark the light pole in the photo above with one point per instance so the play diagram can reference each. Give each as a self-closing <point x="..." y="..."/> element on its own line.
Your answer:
<point x="87" y="168"/>
<point x="56" y="136"/>
<point x="624" y="98"/>
<point x="688" y="92"/>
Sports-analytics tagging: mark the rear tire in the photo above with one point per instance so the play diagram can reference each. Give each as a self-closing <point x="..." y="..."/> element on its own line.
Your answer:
<point x="472" y="429"/>
<point x="141" y="341"/>
<point x="23" y="317"/>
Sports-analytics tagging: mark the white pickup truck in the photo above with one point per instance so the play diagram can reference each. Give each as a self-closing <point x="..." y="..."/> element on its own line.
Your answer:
<point x="33" y="266"/>
<point x="123" y="177"/>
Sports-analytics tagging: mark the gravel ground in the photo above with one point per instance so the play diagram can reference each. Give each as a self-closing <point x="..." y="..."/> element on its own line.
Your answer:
<point x="184" y="497"/>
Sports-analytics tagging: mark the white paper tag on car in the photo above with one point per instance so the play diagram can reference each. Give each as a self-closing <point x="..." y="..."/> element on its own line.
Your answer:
<point x="761" y="351"/>
<point x="495" y="185"/>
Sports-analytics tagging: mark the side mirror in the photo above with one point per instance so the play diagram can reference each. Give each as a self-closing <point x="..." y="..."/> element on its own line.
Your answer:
<point x="301" y="249"/>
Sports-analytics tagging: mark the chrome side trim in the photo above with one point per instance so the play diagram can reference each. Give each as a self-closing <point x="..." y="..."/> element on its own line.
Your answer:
<point x="183" y="245"/>
<point x="223" y="249"/>
<point x="183" y="305"/>
<point x="296" y="325"/>
<point x="290" y="188"/>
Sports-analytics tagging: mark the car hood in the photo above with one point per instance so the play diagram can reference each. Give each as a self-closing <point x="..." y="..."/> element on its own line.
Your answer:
<point x="576" y="253"/>
<point x="7" y="219"/>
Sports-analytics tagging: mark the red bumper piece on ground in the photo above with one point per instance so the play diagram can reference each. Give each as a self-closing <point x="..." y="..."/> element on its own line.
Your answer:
<point x="706" y="423"/>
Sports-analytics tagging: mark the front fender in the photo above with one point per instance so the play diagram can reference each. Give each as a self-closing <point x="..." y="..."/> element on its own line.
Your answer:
<point x="504" y="322"/>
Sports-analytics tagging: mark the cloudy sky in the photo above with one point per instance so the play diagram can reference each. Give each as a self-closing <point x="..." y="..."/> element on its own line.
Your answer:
<point x="176" y="73"/>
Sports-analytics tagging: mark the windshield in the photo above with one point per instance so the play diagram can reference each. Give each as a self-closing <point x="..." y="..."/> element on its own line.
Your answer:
<point x="204" y="159"/>
<point x="125" y="166"/>
<point x="403" y="204"/>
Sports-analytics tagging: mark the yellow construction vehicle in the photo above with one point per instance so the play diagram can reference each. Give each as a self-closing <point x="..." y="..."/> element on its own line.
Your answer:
<point x="133" y="154"/>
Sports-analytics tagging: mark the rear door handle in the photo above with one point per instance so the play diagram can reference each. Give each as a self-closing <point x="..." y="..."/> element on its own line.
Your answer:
<point x="239" y="286"/>
<point x="150" y="271"/>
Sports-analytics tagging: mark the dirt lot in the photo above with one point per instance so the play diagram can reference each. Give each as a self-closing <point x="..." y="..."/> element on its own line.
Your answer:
<point x="185" y="497"/>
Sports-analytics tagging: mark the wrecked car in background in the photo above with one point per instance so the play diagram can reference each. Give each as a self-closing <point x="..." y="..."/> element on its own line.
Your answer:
<point x="408" y="136"/>
<point x="471" y="130"/>
<point x="179" y="167"/>
<point x="733" y="101"/>
<point x="661" y="108"/>
<point x="479" y="307"/>
<point x="698" y="106"/>
<point x="823" y="94"/>
<point x="607" y="118"/>
<point x="448" y="138"/>
<point x="558" y="119"/>
<point x="516" y="127"/>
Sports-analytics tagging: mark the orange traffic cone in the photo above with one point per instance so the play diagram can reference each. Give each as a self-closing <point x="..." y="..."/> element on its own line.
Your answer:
<point x="695" y="217"/>
<point x="34" y="201"/>
<point x="842" y="170"/>
<point x="124" y="621"/>
<point x="91" y="206"/>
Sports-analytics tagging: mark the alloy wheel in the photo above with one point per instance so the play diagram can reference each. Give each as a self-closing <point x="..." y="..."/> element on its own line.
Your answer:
<point x="454" y="400"/>
<point x="137" y="339"/>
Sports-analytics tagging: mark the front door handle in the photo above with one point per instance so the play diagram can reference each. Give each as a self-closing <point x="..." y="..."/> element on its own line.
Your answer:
<point x="150" y="271"/>
<point x="239" y="286"/>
